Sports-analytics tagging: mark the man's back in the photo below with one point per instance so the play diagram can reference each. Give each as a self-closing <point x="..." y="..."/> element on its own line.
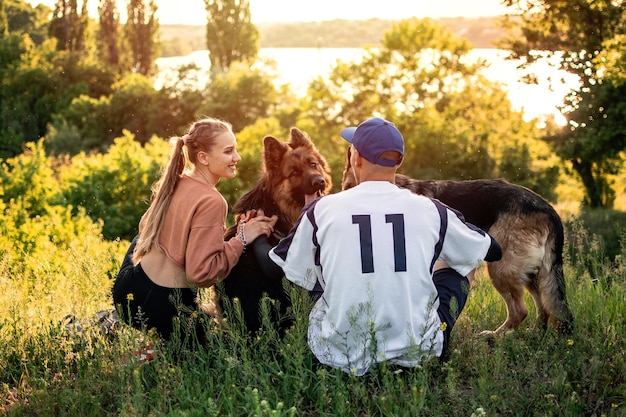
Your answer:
<point x="377" y="247"/>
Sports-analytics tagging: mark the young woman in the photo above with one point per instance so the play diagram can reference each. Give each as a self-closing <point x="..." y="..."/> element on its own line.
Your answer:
<point x="180" y="245"/>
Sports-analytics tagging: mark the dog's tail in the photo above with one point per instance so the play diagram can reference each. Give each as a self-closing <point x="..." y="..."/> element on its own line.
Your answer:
<point x="552" y="279"/>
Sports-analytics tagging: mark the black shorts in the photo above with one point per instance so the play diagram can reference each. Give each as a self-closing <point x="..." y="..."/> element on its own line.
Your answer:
<point x="146" y="305"/>
<point x="450" y="286"/>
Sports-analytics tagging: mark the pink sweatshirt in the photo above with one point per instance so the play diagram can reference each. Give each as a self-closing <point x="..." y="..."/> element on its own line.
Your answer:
<point x="193" y="233"/>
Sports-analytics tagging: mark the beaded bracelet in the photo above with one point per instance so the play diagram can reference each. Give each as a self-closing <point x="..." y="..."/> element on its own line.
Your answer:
<point x="242" y="234"/>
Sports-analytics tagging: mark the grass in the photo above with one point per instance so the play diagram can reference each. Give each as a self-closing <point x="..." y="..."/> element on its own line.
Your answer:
<point x="48" y="370"/>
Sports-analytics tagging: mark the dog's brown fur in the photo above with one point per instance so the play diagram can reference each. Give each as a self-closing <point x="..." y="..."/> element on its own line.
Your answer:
<point x="290" y="170"/>
<point x="527" y="228"/>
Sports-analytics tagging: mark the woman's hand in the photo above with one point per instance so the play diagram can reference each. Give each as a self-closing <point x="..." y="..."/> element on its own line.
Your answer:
<point x="255" y="223"/>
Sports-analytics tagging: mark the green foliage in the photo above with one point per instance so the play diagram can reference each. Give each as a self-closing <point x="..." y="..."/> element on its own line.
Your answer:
<point x="531" y="171"/>
<point x="18" y="117"/>
<point x="230" y="34"/>
<point x="130" y="106"/>
<point x="606" y="241"/>
<point x="4" y="24"/>
<point x="69" y="26"/>
<point x="85" y="100"/>
<point x="132" y="47"/>
<point x="32" y="222"/>
<point x="134" y="105"/>
<point x="594" y="140"/>
<point x="141" y="31"/>
<point x="115" y="187"/>
<point x="240" y="95"/>
<point x="612" y="60"/>
<point x="81" y="127"/>
<point x="109" y="37"/>
<point x="28" y="180"/>
<point x="38" y="83"/>
<point x="22" y="18"/>
<point x="576" y="32"/>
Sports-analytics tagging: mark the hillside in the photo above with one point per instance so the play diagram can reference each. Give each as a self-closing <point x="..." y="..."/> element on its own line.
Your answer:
<point x="481" y="32"/>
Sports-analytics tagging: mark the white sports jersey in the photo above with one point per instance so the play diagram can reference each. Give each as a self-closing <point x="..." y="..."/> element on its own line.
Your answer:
<point x="372" y="249"/>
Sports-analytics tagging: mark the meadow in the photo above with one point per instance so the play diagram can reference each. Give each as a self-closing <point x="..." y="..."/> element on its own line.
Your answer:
<point x="53" y="366"/>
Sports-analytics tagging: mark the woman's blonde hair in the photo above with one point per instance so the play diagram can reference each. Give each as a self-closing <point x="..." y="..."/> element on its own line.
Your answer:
<point x="200" y="137"/>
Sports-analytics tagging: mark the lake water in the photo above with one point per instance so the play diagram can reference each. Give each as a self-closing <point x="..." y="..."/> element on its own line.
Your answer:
<point x="298" y="66"/>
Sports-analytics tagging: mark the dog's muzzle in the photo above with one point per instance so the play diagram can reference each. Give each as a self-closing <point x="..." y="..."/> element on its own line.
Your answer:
<point x="318" y="183"/>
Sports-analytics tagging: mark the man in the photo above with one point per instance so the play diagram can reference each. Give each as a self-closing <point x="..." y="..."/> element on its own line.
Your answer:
<point x="392" y="265"/>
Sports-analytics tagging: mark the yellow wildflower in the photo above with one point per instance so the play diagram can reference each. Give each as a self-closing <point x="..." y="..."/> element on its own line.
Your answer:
<point x="130" y="296"/>
<point x="444" y="326"/>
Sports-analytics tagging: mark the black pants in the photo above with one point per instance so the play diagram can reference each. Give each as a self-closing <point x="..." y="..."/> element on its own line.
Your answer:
<point x="450" y="285"/>
<point x="146" y="305"/>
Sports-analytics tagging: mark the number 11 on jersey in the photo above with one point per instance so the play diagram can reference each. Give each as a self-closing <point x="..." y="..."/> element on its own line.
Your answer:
<point x="364" y="221"/>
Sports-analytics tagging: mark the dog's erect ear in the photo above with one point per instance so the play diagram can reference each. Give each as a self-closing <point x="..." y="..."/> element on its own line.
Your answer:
<point x="273" y="152"/>
<point x="347" y="177"/>
<point x="300" y="138"/>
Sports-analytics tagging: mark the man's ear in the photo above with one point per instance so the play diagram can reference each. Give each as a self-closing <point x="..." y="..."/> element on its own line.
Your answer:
<point x="358" y="159"/>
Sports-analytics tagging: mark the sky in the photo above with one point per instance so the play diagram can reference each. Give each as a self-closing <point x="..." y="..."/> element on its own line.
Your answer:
<point x="265" y="11"/>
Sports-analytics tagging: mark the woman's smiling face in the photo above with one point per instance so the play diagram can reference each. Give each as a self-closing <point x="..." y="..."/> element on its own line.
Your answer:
<point x="223" y="157"/>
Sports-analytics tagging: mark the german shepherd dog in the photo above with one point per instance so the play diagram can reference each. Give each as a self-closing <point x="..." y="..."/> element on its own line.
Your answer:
<point x="290" y="170"/>
<point x="527" y="228"/>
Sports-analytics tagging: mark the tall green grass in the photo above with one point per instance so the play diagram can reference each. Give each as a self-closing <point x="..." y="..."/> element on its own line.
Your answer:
<point x="48" y="370"/>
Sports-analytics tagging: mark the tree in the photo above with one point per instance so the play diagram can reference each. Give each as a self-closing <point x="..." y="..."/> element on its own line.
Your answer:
<point x="231" y="36"/>
<point x="240" y="95"/>
<point x="69" y="26"/>
<point x="576" y="32"/>
<point x="4" y="22"/>
<point x="612" y="60"/>
<point x="142" y="29"/>
<point x="114" y="186"/>
<point x="37" y="83"/>
<point x="457" y="124"/>
<point x="135" y="105"/>
<point x="91" y="124"/>
<point x="594" y="140"/>
<point x="22" y="18"/>
<point x="109" y="33"/>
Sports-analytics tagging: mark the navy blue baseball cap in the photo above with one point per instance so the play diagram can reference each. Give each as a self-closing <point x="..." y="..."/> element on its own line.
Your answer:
<point x="374" y="137"/>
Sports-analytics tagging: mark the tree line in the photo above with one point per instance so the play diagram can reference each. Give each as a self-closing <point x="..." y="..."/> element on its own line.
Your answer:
<point x="81" y="83"/>
<point x="180" y="40"/>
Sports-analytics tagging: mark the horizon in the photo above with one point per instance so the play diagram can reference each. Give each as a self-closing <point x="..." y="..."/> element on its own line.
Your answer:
<point x="289" y="11"/>
<point x="329" y="20"/>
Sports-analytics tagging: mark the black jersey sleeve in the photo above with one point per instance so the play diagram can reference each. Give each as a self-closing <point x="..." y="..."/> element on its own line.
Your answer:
<point x="495" y="251"/>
